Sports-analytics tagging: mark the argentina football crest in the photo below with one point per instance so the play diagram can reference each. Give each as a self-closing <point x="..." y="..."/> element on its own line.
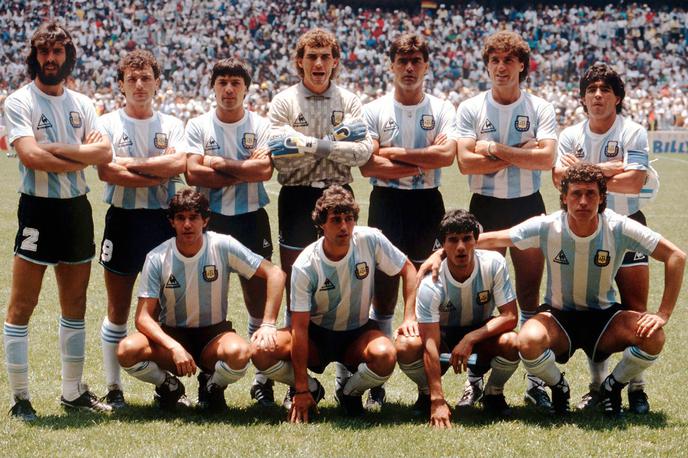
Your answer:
<point x="160" y="140"/>
<point x="362" y="270"/>
<point x="75" y="119"/>
<point x="248" y="140"/>
<point x="210" y="273"/>
<point x="611" y="149"/>
<point x="337" y="117"/>
<point x="602" y="258"/>
<point x="522" y="123"/>
<point x="483" y="297"/>
<point x="427" y="122"/>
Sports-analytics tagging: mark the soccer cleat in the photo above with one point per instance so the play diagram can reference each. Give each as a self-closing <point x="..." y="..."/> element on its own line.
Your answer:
<point x="86" y="401"/>
<point x="352" y="405"/>
<point x="495" y="404"/>
<point x="610" y="396"/>
<point x="561" y="394"/>
<point x="422" y="404"/>
<point x="263" y="393"/>
<point x="288" y="398"/>
<point x="376" y="399"/>
<point x="589" y="400"/>
<point x="115" y="399"/>
<point x="211" y="397"/>
<point x="472" y="393"/>
<point x="23" y="410"/>
<point x="638" y="403"/>
<point x="537" y="396"/>
<point x="171" y="394"/>
<point x="318" y="394"/>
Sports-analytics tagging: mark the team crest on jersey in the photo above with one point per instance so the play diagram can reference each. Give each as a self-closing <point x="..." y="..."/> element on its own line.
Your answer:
<point x="579" y="152"/>
<point x="125" y="141"/>
<point x="427" y="122"/>
<point x="337" y="117"/>
<point x="483" y="297"/>
<point x="75" y="119"/>
<point x="211" y="145"/>
<point x="390" y="125"/>
<point x="300" y="121"/>
<point x="561" y="258"/>
<point x="612" y="149"/>
<point x="488" y="127"/>
<point x="172" y="282"/>
<point x="248" y="141"/>
<point x="522" y="123"/>
<point x="362" y="270"/>
<point x="160" y="140"/>
<point x="327" y="286"/>
<point x="448" y="307"/>
<point x="44" y="123"/>
<point x="210" y="272"/>
<point x="602" y="258"/>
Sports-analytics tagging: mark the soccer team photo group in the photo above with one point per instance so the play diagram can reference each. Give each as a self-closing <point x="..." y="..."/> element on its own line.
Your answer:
<point x="362" y="294"/>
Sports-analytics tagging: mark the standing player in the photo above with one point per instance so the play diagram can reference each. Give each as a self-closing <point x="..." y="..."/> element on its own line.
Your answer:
<point x="413" y="138"/>
<point x="182" y="309"/>
<point x="332" y="289"/>
<point x="619" y="146"/>
<point x="455" y="316"/>
<point x="141" y="179"/>
<point x="229" y="163"/>
<point x="52" y="129"/>
<point x="507" y="137"/>
<point x="584" y="246"/>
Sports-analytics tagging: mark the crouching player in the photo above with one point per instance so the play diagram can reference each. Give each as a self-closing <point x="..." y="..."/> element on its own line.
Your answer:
<point x="332" y="286"/>
<point x="182" y="309"/>
<point x="455" y="315"/>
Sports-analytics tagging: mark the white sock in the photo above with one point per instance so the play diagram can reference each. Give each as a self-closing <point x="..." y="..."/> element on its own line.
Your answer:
<point x="416" y="372"/>
<point x="502" y="370"/>
<point x="633" y="362"/>
<point x="598" y="372"/>
<point x="543" y="367"/>
<point x="362" y="380"/>
<point x="341" y="375"/>
<point x="383" y="321"/>
<point x="16" y="339"/>
<point x="637" y="383"/>
<point x="224" y="375"/>
<point x="253" y="325"/>
<point x="283" y="372"/>
<point x="110" y="336"/>
<point x="147" y="371"/>
<point x="524" y="316"/>
<point x="72" y="336"/>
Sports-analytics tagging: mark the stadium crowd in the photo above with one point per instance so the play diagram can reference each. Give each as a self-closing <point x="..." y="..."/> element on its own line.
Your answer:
<point x="647" y="46"/>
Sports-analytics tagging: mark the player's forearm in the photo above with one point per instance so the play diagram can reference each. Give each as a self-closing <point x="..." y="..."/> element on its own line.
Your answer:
<point x="495" y="326"/>
<point x="408" y="279"/>
<point x="86" y="153"/>
<point x="164" y="166"/>
<point x="117" y="174"/>
<point x="471" y="163"/>
<point x="150" y="328"/>
<point x="249" y="170"/>
<point x="628" y="182"/>
<point x="430" y="157"/>
<point x="385" y="169"/>
<point x="557" y="174"/>
<point x="39" y="159"/>
<point x="526" y="158"/>
<point x="433" y="371"/>
<point x="495" y="239"/>
<point x="299" y="350"/>
<point x="273" y="294"/>
<point x="673" y="279"/>
<point x="200" y="175"/>
<point x="353" y="154"/>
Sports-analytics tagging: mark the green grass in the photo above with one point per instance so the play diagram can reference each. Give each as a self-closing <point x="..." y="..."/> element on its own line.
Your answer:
<point x="247" y="430"/>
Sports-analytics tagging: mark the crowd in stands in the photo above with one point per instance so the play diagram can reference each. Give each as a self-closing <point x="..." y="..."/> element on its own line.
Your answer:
<point x="649" y="47"/>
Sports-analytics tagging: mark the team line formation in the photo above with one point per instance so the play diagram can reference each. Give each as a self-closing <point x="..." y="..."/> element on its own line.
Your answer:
<point x="342" y="280"/>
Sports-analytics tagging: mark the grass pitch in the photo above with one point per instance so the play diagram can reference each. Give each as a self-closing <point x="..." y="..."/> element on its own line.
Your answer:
<point x="246" y="430"/>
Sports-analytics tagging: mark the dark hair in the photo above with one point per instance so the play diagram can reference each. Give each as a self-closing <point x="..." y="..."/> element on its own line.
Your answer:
<point x="230" y="67"/>
<point x="408" y="43"/>
<point x="138" y="59"/>
<point x="48" y="34"/>
<point x="335" y="199"/>
<point x="458" y="222"/>
<point x="317" y="38"/>
<point x="603" y="72"/>
<point x="511" y="42"/>
<point x="189" y="199"/>
<point x="584" y="172"/>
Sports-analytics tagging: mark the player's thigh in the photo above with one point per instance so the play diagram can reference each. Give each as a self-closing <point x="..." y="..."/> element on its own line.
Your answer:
<point x="138" y="347"/>
<point x="540" y="333"/>
<point x="504" y="345"/>
<point x="621" y="333"/>
<point x="72" y="283"/>
<point x="229" y="347"/>
<point x="634" y="285"/>
<point x="371" y="347"/>
<point x="27" y="278"/>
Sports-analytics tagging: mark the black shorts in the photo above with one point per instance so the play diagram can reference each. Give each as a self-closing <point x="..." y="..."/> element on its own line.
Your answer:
<point x="495" y="214"/>
<point x="194" y="340"/>
<point x="294" y="207"/>
<point x="129" y="235"/>
<point x="332" y="345"/>
<point x="52" y="231"/>
<point x="410" y="219"/>
<point x="450" y="336"/>
<point x="634" y="258"/>
<point x="251" y="229"/>
<point x="583" y="329"/>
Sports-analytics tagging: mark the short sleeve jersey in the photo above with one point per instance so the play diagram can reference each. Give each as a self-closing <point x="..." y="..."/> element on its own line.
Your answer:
<point x="207" y="135"/>
<point x="410" y="126"/>
<point x="528" y="118"/>
<point x="338" y="294"/>
<point x="66" y="118"/>
<point x="469" y="303"/>
<point x="193" y="291"/>
<point x="581" y="270"/>
<point x="142" y="138"/>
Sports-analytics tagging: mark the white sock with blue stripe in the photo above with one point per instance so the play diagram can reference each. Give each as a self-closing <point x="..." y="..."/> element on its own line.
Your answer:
<point x="502" y="370"/>
<point x="544" y="367"/>
<point x="283" y="372"/>
<point x="16" y="340"/>
<point x="72" y="336"/>
<point x="633" y="362"/>
<point x="147" y="371"/>
<point x="416" y="372"/>
<point x="637" y="382"/>
<point x="224" y="375"/>
<point x="362" y="380"/>
<point x="110" y="336"/>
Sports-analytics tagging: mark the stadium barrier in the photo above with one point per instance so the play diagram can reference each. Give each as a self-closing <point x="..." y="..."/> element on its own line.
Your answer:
<point x="668" y="141"/>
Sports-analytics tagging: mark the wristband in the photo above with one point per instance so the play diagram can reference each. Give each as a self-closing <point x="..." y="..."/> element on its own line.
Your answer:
<point x="268" y="325"/>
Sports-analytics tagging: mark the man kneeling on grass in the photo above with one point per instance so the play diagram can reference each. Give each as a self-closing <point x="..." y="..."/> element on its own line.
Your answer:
<point x="182" y="309"/>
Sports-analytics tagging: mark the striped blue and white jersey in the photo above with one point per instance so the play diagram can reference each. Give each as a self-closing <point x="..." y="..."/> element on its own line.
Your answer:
<point x="193" y="291"/>
<point x="581" y="270"/>
<point x="528" y="118"/>
<point x="338" y="294"/>
<point x="208" y="135"/>
<point x="66" y="118"/>
<point x="410" y="126"/>
<point x="142" y="138"/>
<point x="625" y="141"/>
<point x="468" y="303"/>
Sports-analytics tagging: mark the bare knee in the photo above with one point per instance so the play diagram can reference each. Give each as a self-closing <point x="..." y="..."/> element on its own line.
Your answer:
<point x="129" y="351"/>
<point x="653" y="344"/>
<point x="508" y="345"/>
<point x="236" y="353"/>
<point x="532" y="340"/>
<point x="409" y="349"/>
<point x="382" y="357"/>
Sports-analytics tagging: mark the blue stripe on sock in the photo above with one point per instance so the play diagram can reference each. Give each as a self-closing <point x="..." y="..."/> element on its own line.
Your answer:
<point x="72" y="324"/>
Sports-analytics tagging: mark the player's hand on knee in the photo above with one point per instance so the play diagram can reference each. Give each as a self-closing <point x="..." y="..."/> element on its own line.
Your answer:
<point x="351" y="131"/>
<point x="301" y="406"/>
<point x="409" y="328"/>
<point x="265" y="337"/>
<point x="440" y="414"/>
<point x="648" y="324"/>
<point x="183" y="361"/>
